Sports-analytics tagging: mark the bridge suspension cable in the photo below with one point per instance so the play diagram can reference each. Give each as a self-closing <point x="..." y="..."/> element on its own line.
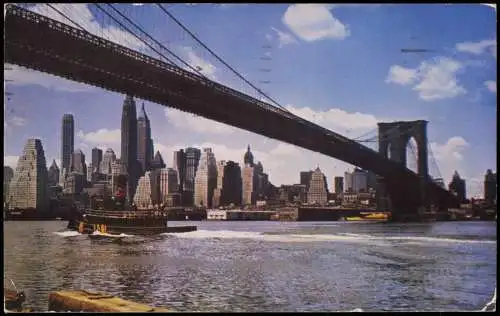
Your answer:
<point x="66" y="17"/>
<point x="433" y="160"/>
<point x="142" y="40"/>
<point x="217" y="57"/>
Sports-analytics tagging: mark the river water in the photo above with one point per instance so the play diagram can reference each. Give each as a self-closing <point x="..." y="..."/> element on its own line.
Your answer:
<point x="265" y="266"/>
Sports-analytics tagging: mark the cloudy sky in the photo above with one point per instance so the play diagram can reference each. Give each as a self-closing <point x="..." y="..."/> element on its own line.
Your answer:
<point x="340" y="66"/>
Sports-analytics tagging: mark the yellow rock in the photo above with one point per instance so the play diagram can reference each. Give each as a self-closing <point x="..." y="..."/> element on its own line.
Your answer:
<point x="86" y="301"/>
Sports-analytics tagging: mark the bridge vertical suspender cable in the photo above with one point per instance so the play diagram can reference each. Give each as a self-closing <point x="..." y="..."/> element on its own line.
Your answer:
<point x="217" y="57"/>
<point x="66" y="17"/>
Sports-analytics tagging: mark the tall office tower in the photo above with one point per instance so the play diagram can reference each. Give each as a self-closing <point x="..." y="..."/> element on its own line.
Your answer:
<point x="107" y="161"/>
<point x="371" y="180"/>
<point x="206" y="179"/>
<point x="90" y="172"/>
<point x="78" y="163"/>
<point x="8" y="174"/>
<point x="305" y="178"/>
<point x="144" y="142"/>
<point x="118" y="173"/>
<point x="232" y="184"/>
<point x="348" y="182"/>
<point x="326" y="184"/>
<point x="359" y="180"/>
<point x="339" y="185"/>
<point x="457" y="187"/>
<point x="249" y="185"/>
<point x="216" y="199"/>
<point x="28" y="187"/>
<point x="142" y="197"/>
<point x="129" y="145"/>
<point x="168" y="183"/>
<point x="192" y="159"/>
<point x="490" y="187"/>
<point x="158" y="162"/>
<point x="96" y="159"/>
<point x="317" y="192"/>
<point x="53" y="174"/>
<point x="179" y="164"/>
<point x="67" y="140"/>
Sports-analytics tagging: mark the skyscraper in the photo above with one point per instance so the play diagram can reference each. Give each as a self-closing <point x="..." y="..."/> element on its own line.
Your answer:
<point x="231" y="189"/>
<point x="28" y="187"/>
<point x="248" y="158"/>
<point x="457" y="187"/>
<point x="317" y="192"/>
<point x="67" y="140"/>
<point x="142" y="197"/>
<point x="490" y="187"/>
<point x="96" y="158"/>
<point x="129" y="145"/>
<point x="339" y="185"/>
<point x="168" y="183"/>
<point x="206" y="179"/>
<point x="179" y="164"/>
<point x="305" y="178"/>
<point x="158" y="162"/>
<point x="53" y="174"/>
<point x="107" y="161"/>
<point x="192" y="159"/>
<point x="78" y="164"/>
<point x="144" y="142"/>
<point x="8" y="174"/>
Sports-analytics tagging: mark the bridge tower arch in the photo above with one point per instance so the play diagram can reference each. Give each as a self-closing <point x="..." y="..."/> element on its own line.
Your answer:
<point x="393" y="140"/>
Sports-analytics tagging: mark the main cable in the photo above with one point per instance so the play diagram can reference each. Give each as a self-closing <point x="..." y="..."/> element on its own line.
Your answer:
<point x="218" y="58"/>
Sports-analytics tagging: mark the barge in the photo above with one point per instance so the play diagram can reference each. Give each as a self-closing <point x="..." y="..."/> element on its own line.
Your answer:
<point x="118" y="220"/>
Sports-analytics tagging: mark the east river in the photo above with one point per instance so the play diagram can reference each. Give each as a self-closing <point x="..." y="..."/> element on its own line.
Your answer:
<point x="265" y="266"/>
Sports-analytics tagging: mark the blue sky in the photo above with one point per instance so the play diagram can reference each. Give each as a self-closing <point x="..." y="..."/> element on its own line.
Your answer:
<point x="340" y="66"/>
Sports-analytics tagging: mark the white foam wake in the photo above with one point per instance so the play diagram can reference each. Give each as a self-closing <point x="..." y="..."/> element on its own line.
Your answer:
<point x="68" y="233"/>
<point x="345" y="237"/>
<point x="97" y="233"/>
<point x="491" y="303"/>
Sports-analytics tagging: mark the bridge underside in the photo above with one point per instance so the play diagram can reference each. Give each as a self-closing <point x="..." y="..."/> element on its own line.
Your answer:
<point x="39" y="43"/>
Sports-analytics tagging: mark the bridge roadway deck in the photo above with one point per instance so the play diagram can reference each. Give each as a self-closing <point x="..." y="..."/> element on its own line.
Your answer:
<point x="37" y="42"/>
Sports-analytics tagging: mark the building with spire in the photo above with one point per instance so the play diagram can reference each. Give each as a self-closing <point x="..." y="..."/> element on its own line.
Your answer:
<point x="317" y="192"/>
<point x="248" y="158"/>
<point x="158" y="162"/>
<point x="28" y="187"/>
<point x="53" y="174"/>
<point x="206" y="179"/>
<point x="129" y="145"/>
<point x="144" y="141"/>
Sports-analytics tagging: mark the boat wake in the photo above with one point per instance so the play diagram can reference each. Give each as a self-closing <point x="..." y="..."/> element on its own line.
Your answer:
<point x="99" y="234"/>
<point x="68" y="233"/>
<point x="339" y="237"/>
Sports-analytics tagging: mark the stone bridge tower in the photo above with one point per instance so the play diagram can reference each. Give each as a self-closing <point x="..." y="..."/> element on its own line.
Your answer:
<point x="393" y="139"/>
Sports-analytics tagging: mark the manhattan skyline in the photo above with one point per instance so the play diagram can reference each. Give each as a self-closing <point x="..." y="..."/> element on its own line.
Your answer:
<point x="357" y="77"/>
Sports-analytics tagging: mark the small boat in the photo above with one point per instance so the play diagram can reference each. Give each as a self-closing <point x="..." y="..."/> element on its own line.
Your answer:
<point x="14" y="299"/>
<point x="118" y="221"/>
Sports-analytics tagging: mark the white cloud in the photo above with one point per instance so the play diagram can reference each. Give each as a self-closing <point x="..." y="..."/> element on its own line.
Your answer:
<point x="401" y="75"/>
<point x="491" y="85"/>
<point x="284" y="38"/>
<point x="448" y="156"/>
<point x="191" y="122"/>
<point x="17" y="121"/>
<point x="434" y="80"/>
<point x="203" y="66"/>
<point x="312" y="22"/>
<point x="478" y="48"/>
<point x="103" y="139"/>
<point x="12" y="122"/>
<point x="21" y="76"/>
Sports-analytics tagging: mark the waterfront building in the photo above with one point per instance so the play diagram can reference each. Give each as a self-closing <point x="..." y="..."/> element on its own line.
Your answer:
<point x="305" y="178"/>
<point x="67" y="140"/>
<point x="28" y="187"/>
<point x="490" y="187"/>
<point x="457" y="187"/>
<point x="53" y="174"/>
<point x="192" y="159"/>
<point x="142" y="197"/>
<point x="144" y="141"/>
<point x="74" y="183"/>
<point x="317" y="193"/>
<point x="129" y="145"/>
<point x="168" y="183"/>
<point x="359" y="180"/>
<point x="250" y="183"/>
<point x="205" y="179"/>
<point x="229" y="184"/>
<point x="348" y="182"/>
<point x="8" y="174"/>
<point x="118" y="173"/>
<point x="339" y="185"/>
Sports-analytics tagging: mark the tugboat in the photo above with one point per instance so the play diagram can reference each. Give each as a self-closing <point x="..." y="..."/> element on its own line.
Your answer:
<point x="112" y="218"/>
